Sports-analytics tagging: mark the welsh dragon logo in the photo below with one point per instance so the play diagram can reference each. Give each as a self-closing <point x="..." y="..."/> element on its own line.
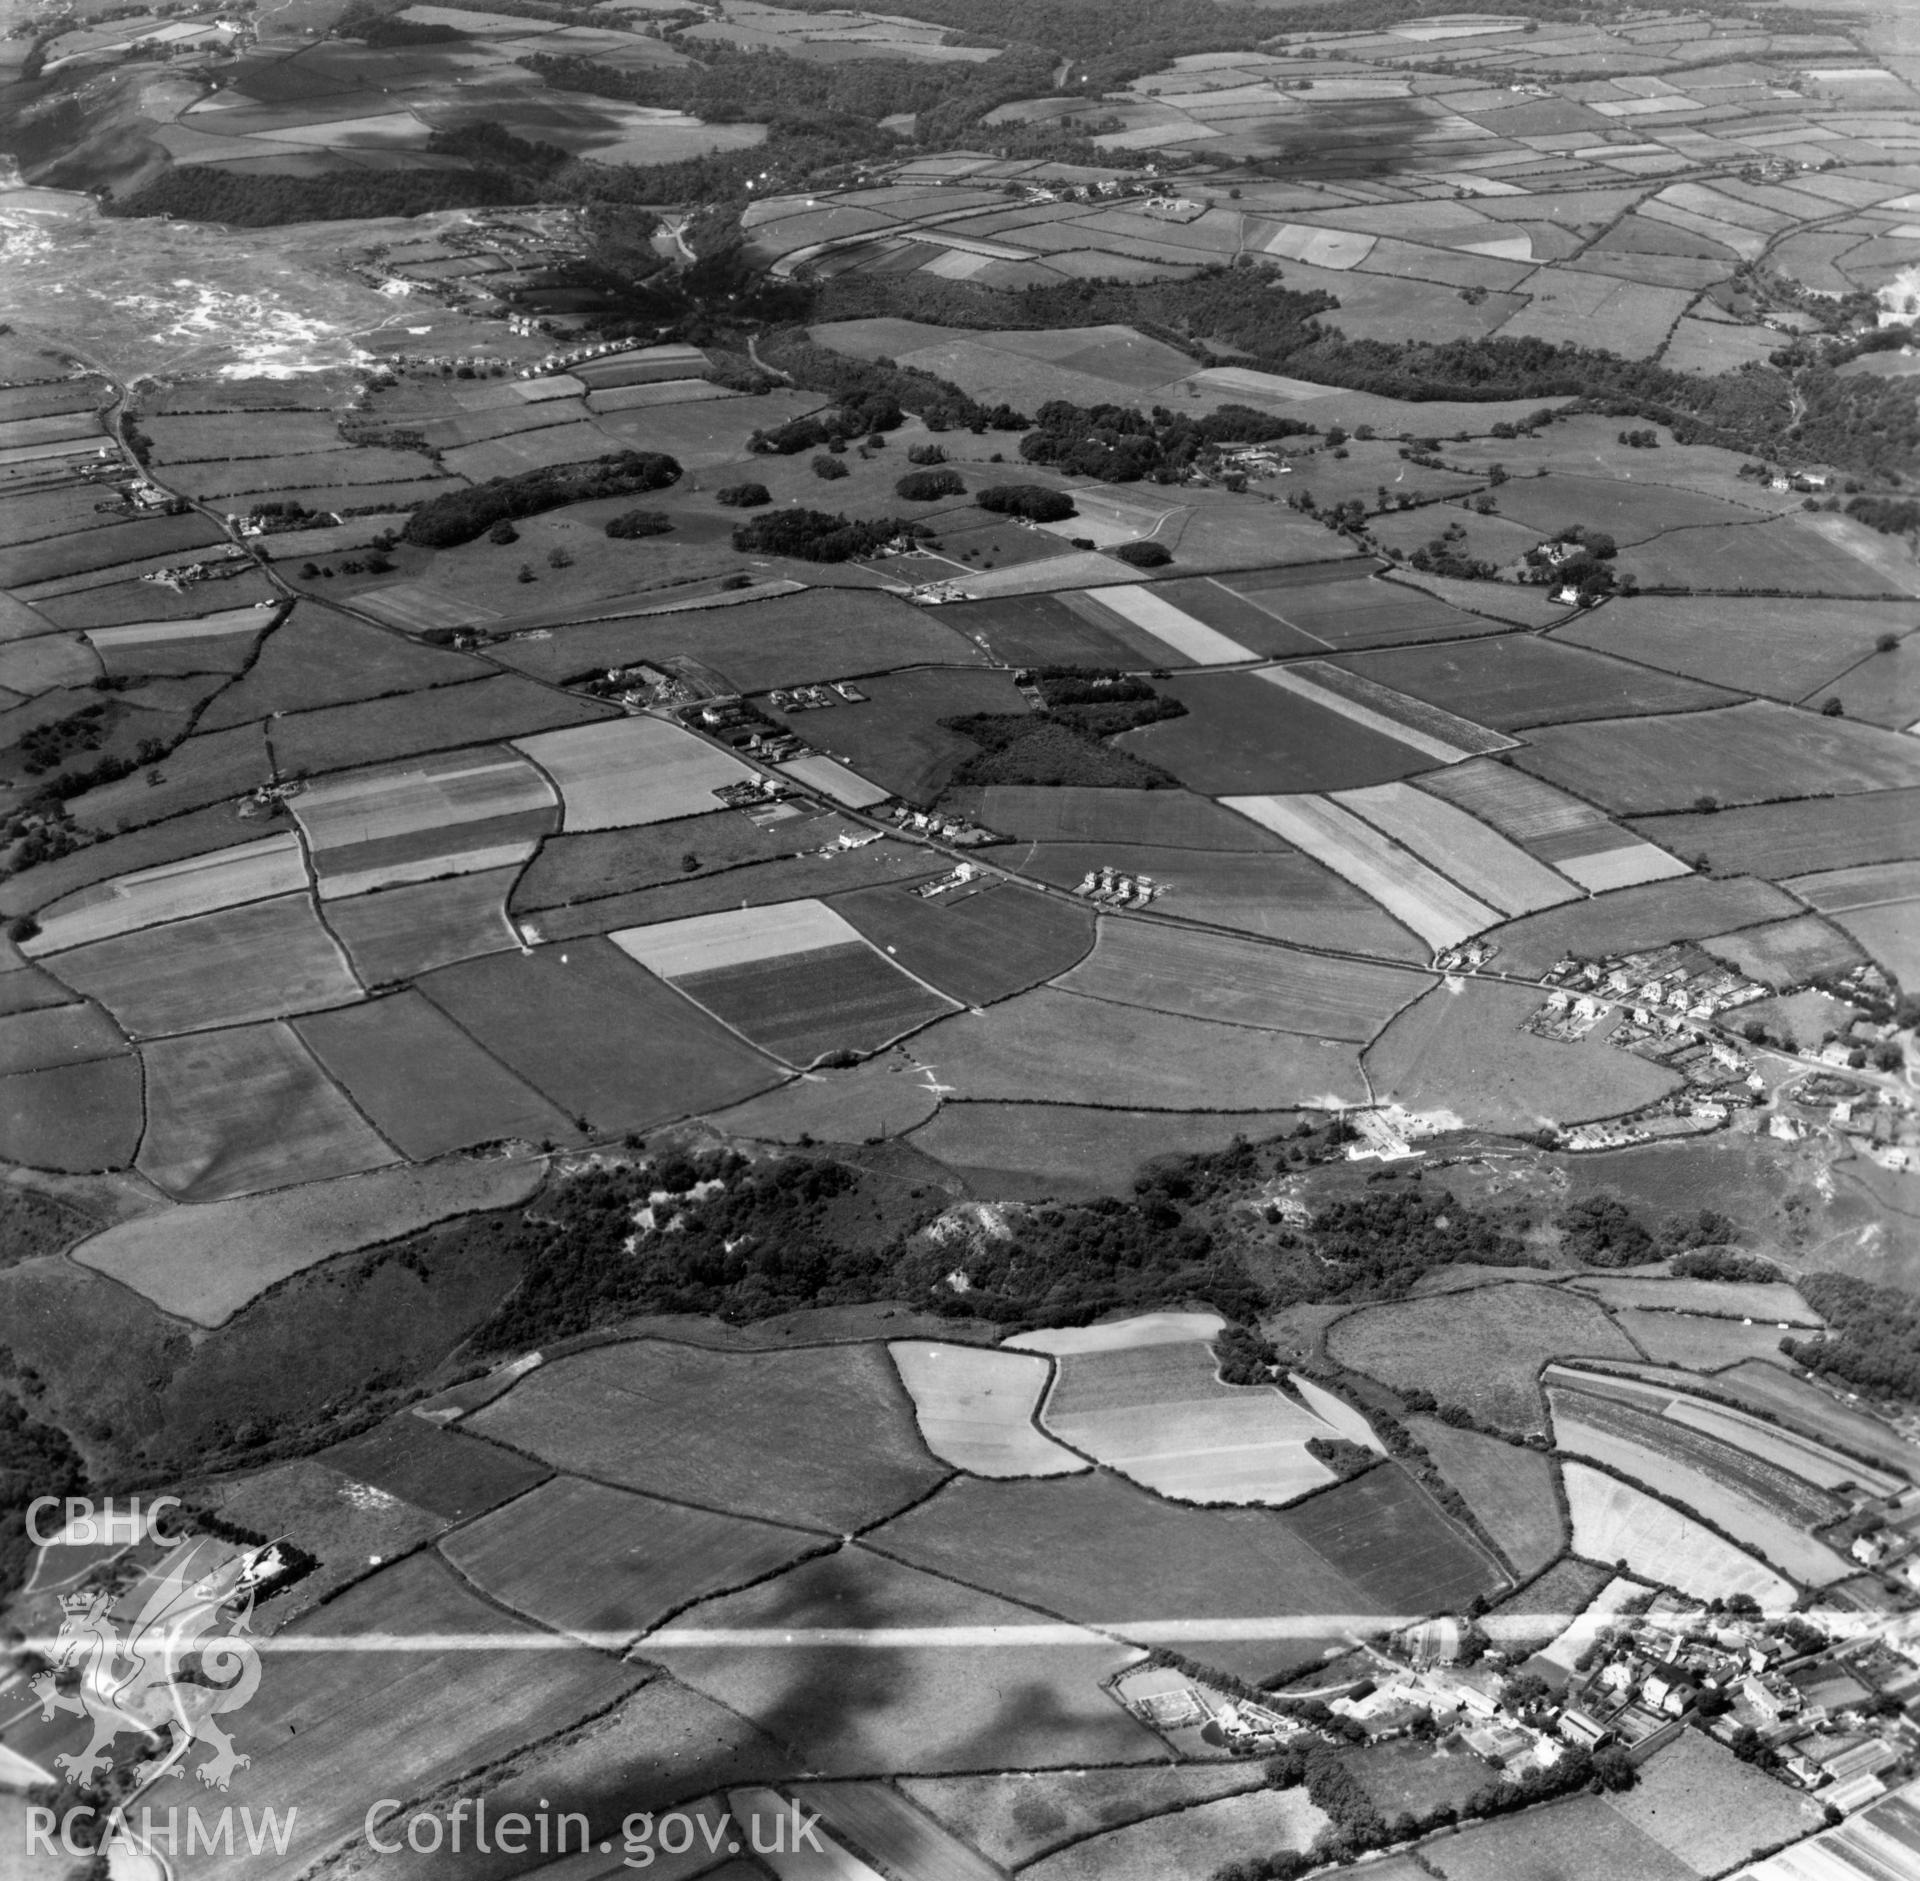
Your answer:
<point x="172" y="1673"/>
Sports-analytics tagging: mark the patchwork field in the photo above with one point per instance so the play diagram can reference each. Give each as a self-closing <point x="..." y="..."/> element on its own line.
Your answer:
<point x="975" y="1408"/>
<point x="1489" y="867"/>
<point x="1159" y="1414"/>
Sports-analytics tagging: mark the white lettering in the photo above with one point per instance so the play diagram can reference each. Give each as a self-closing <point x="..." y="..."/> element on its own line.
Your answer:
<point x="213" y="1839"/>
<point x="638" y="1841"/>
<point x="713" y="1829"/>
<point x="271" y="1828"/>
<point x="515" y="1825"/>
<point x="40" y="1820"/>
<point x="682" y="1837"/>
<point x="375" y="1816"/>
<point x="803" y="1832"/>
<point x="560" y="1848"/>
<point x="416" y="1826"/>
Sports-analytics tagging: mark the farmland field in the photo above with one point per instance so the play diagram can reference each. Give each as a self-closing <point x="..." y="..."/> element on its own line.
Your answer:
<point x="1614" y="1522"/>
<point x="632" y="770"/>
<point x="1701" y="1804"/>
<point x="1015" y="1818"/>
<point x="821" y="1439"/>
<point x="1161" y="819"/>
<point x="260" y="961"/>
<point x="1482" y="1350"/>
<point x="455" y="1477"/>
<point x="74" y="1117"/>
<point x="1448" y="839"/>
<point x="209" y="643"/>
<point x="1441" y="912"/>
<point x="1787" y="953"/>
<point x="978" y="948"/>
<point x="610" y="1564"/>
<point x="612" y="862"/>
<point x="1516" y="680"/>
<point x="1048" y="1046"/>
<point x="1631" y="918"/>
<point x="1510" y="1490"/>
<point x="1460" y="1050"/>
<point x="877" y="1819"/>
<point x="1095" y="1549"/>
<point x="205" y="1263"/>
<point x="424" y="1084"/>
<point x="602" y="1039"/>
<point x="1763" y="1508"/>
<point x="1789" y="555"/>
<point x="1697" y="1342"/>
<point x="1577" y="1839"/>
<point x="1159" y="1415"/>
<point x="1055" y="630"/>
<point x="395" y="933"/>
<point x="122" y="904"/>
<point x="1743" y="754"/>
<point x="235" y="1111"/>
<point x="1244" y="982"/>
<point x="1782" y="839"/>
<point x="975" y="1408"/>
<point x="886" y="1095"/>
<point x="1336" y="607"/>
<point x="1875" y="905"/>
<point x="1241" y="734"/>
<point x="832" y="1704"/>
<point x="807" y="1005"/>
<point x="1189" y="1840"/>
<point x="1074" y="1152"/>
<point x="1784" y="649"/>
<point x="1802" y="1406"/>
<point x="1733" y="1299"/>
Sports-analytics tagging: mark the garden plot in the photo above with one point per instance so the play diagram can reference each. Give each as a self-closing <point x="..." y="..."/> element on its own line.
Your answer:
<point x="204" y="1262"/>
<point x="1244" y="982"/>
<point x="1437" y="734"/>
<point x="1720" y="1483"/>
<point x="1460" y="847"/>
<point x="259" y="961"/>
<point x="1439" y="911"/>
<point x="631" y="770"/>
<point x="1582" y="843"/>
<point x="1613" y="1521"/>
<point x="246" y="1109"/>
<point x="459" y="814"/>
<point x="122" y="904"/>
<point x="975" y="1408"/>
<point x="1159" y="1414"/>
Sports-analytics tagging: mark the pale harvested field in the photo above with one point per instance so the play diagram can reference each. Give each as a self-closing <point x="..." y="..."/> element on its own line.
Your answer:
<point x="1159" y="1414"/>
<point x="1241" y="981"/>
<point x="260" y="961"/>
<point x="1584" y="1627"/>
<point x="1441" y="912"/>
<point x="1054" y="1047"/>
<point x="1443" y="736"/>
<point x="631" y="770"/>
<point x="205" y="1261"/>
<point x="1121" y="1335"/>
<point x="975" y="1408"/>
<point x="1192" y="639"/>
<point x="1461" y="847"/>
<point x="735" y="937"/>
<point x="1774" y="1539"/>
<point x="1615" y="1522"/>
<point x="252" y="872"/>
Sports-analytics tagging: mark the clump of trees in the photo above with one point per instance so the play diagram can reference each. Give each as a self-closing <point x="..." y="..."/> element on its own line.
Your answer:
<point x="638" y="522"/>
<point x="813" y="535"/>
<point x="460" y="515"/>
<point x="1033" y="501"/>
<point x="929" y="486"/>
<point x="1602" y="1231"/>
<point x="1873" y="1336"/>
<point x="1375" y="1246"/>
<point x="1247" y="1356"/>
<point x="1144" y="554"/>
<point x="1119" y="444"/>
<point x="743" y="495"/>
<point x="1717" y="1263"/>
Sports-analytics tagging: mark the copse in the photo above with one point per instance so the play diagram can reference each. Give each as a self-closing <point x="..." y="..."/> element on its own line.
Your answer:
<point x="461" y="515"/>
<point x="1033" y="501"/>
<point x="639" y="522"/>
<point x="928" y="486"/>
<point x="814" y="536"/>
